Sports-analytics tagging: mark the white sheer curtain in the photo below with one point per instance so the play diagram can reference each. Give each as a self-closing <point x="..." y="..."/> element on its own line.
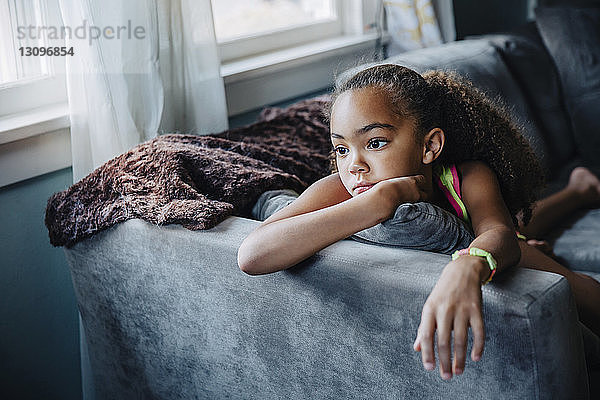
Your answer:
<point x="140" y="68"/>
<point x="414" y="24"/>
<point x="444" y="11"/>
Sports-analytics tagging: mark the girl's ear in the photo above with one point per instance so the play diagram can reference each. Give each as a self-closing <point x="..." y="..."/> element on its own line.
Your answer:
<point x="433" y="145"/>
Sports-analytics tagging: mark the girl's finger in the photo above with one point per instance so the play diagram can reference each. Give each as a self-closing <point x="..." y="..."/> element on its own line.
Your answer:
<point x="417" y="343"/>
<point x="444" y="333"/>
<point x="478" y="337"/>
<point x="426" y="332"/>
<point x="461" y="329"/>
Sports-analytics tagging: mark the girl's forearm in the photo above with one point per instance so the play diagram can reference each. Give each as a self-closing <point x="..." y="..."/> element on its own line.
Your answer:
<point x="502" y="243"/>
<point x="281" y="244"/>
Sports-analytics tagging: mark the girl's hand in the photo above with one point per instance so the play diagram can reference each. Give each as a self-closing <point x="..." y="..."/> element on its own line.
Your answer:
<point x="395" y="191"/>
<point x="453" y="305"/>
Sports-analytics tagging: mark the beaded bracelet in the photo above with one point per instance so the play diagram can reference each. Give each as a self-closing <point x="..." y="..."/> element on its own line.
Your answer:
<point x="474" y="251"/>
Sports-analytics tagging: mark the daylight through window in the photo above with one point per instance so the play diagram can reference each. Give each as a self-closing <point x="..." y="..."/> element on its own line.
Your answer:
<point x="236" y="19"/>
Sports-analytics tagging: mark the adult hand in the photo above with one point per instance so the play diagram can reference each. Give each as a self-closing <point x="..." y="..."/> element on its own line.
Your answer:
<point x="453" y="305"/>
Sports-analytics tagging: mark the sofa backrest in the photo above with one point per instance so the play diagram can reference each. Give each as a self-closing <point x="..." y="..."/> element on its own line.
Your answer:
<point x="169" y="315"/>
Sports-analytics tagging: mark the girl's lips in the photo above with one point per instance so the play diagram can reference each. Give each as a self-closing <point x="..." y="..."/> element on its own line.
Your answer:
<point x="360" y="189"/>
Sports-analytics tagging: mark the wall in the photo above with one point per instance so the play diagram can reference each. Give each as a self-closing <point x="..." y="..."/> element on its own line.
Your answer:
<point x="39" y="332"/>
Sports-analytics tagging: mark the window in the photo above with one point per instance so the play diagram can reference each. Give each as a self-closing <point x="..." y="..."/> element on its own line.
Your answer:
<point x="33" y="95"/>
<point x="16" y="17"/>
<point x="245" y="27"/>
<point x="29" y="81"/>
<point x="273" y="50"/>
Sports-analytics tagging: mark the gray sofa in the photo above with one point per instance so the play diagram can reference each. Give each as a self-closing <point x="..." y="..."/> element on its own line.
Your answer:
<point x="168" y="314"/>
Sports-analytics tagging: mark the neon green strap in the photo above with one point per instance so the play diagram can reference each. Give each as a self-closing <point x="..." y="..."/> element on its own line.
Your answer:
<point x="447" y="179"/>
<point x="474" y="251"/>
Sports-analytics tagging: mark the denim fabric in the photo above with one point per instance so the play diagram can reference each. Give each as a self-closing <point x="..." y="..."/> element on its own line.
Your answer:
<point x="419" y="226"/>
<point x="272" y="201"/>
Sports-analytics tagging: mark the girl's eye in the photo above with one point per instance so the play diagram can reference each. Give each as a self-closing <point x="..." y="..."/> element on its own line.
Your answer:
<point x="341" y="151"/>
<point x="376" y="143"/>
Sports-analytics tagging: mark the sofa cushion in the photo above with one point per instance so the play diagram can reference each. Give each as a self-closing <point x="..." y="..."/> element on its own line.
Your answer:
<point x="572" y="36"/>
<point x="576" y="241"/>
<point x="530" y="64"/>
<point x="481" y="63"/>
<point x="419" y="226"/>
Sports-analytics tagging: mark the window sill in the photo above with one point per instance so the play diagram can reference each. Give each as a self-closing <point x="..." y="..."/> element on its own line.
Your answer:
<point x="262" y="64"/>
<point x="34" y="143"/>
<point x="257" y="81"/>
<point x="35" y="122"/>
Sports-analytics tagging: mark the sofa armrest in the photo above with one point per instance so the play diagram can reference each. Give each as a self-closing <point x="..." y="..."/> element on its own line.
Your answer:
<point x="168" y="314"/>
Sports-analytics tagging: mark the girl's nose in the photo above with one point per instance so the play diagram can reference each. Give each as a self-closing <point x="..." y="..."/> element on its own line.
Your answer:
<point x="358" y="166"/>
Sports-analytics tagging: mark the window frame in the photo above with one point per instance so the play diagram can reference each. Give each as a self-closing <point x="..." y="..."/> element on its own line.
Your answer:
<point x="263" y="42"/>
<point x="34" y="116"/>
<point x="25" y="95"/>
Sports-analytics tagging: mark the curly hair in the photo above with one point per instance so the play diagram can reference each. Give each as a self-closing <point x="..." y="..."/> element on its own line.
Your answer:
<point x="475" y="127"/>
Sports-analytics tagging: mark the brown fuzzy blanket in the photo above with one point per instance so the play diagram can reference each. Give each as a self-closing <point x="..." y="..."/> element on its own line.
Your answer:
<point x="197" y="181"/>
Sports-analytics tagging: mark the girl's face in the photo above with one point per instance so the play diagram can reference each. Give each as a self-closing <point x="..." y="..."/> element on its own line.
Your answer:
<point x="371" y="142"/>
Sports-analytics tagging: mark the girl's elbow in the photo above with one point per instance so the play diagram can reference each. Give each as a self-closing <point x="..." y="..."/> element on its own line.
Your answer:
<point x="514" y="249"/>
<point x="516" y="254"/>
<point x="246" y="261"/>
<point x="252" y="261"/>
<point x="249" y="268"/>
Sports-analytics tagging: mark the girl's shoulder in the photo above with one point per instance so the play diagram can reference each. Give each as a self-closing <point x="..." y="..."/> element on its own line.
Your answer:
<point x="476" y="176"/>
<point x="464" y="168"/>
<point x="455" y="174"/>
<point x="474" y="168"/>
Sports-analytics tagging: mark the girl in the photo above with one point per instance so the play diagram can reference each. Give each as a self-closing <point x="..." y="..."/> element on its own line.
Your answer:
<point x="394" y="132"/>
